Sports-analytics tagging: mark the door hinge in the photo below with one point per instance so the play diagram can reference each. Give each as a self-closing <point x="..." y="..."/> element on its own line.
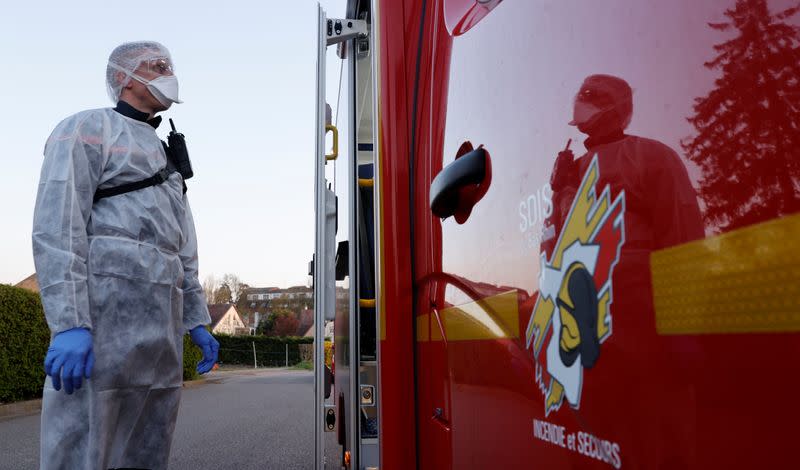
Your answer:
<point x="330" y="418"/>
<point x="339" y="30"/>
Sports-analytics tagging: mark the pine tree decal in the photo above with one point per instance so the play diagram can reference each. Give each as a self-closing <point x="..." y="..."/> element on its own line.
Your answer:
<point x="748" y="127"/>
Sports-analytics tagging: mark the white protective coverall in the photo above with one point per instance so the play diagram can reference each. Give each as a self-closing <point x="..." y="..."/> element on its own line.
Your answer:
<point x="126" y="268"/>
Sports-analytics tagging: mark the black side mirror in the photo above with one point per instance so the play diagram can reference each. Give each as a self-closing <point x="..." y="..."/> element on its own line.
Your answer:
<point x="461" y="184"/>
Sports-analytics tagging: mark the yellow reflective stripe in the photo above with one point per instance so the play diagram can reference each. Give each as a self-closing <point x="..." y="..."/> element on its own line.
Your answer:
<point x="366" y="303"/>
<point x="491" y="318"/>
<point x="366" y="182"/>
<point x="743" y="281"/>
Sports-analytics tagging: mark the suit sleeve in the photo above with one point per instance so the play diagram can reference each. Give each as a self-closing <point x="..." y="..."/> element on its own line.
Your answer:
<point x="73" y="164"/>
<point x="675" y="210"/>
<point x="195" y="308"/>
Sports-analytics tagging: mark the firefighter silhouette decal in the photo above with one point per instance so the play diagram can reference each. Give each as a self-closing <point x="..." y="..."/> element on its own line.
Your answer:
<point x="572" y="316"/>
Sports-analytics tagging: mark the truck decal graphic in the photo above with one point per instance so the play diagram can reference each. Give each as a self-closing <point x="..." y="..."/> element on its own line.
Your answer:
<point x="572" y="316"/>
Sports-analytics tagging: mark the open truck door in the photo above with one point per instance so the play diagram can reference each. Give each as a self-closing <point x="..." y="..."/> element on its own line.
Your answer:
<point x="343" y="266"/>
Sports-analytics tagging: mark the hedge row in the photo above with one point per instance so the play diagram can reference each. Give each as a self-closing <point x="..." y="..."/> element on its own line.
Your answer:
<point x="191" y="356"/>
<point x="24" y="337"/>
<point x="307" y="352"/>
<point x="270" y="351"/>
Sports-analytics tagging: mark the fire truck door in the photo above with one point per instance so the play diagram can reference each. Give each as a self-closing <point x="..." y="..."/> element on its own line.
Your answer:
<point x="629" y="271"/>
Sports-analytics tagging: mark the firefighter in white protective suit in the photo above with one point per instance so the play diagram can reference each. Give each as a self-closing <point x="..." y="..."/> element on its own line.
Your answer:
<point x="116" y="258"/>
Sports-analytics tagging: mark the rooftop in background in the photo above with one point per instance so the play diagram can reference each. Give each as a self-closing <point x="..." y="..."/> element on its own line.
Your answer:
<point x="298" y="289"/>
<point x="261" y="290"/>
<point x="29" y="283"/>
<point x="218" y="313"/>
<point x="269" y="293"/>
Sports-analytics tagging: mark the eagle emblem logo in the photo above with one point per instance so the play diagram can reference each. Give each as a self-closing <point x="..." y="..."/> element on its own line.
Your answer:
<point x="572" y="316"/>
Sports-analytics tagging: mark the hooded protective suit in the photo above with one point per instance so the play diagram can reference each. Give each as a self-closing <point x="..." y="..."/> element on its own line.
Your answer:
<point x="660" y="211"/>
<point x="126" y="268"/>
<point x="661" y="208"/>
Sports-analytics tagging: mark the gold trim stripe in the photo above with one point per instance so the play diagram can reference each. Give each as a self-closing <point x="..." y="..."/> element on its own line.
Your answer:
<point x="492" y="318"/>
<point x="743" y="281"/>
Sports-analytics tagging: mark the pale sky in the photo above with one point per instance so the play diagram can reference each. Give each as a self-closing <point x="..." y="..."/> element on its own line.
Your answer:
<point x="247" y="78"/>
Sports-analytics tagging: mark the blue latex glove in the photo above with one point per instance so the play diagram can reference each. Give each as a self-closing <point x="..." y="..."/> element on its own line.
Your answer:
<point x="70" y="358"/>
<point x="210" y="347"/>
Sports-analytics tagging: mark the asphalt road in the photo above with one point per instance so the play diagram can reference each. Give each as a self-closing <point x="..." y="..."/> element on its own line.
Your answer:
<point x="239" y="420"/>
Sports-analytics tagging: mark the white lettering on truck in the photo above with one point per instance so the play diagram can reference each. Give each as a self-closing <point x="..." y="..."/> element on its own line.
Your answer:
<point x="581" y="442"/>
<point x="533" y="210"/>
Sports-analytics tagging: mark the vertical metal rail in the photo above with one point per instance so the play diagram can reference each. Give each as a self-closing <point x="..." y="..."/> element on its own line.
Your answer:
<point x="338" y="31"/>
<point x="377" y="204"/>
<point x="355" y="313"/>
<point x="319" y="247"/>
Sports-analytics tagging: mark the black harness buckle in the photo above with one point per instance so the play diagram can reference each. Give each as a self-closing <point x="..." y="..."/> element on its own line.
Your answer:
<point x="162" y="175"/>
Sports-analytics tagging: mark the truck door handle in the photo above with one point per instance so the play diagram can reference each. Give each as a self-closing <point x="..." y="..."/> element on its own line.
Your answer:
<point x="461" y="184"/>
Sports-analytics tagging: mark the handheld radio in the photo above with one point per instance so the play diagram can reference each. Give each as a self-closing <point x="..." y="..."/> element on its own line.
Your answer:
<point x="178" y="153"/>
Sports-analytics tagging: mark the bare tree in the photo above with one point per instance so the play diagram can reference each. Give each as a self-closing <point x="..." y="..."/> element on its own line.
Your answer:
<point x="235" y="285"/>
<point x="226" y="290"/>
<point x="223" y="294"/>
<point x="210" y="286"/>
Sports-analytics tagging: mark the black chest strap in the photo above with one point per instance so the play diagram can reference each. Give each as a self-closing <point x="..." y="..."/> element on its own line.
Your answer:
<point x="155" y="180"/>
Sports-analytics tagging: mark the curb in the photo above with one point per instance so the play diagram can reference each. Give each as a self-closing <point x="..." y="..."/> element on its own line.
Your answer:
<point x="200" y="381"/>
<point x="23" y="408"/>
<point x="29" y="407"/>
<point x="20" y="408"/>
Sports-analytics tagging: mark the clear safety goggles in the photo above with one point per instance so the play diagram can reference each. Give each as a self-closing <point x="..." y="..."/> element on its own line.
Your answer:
<point x="593" y="96"/>
<point x="158" y="66"/>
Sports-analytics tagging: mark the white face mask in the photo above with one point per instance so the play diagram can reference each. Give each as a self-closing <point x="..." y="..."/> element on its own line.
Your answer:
<point x="583" y="113"/>
<point x="163" y="88"/>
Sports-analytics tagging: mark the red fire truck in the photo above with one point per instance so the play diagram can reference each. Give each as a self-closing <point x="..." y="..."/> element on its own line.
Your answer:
<point x="559" y="234"/>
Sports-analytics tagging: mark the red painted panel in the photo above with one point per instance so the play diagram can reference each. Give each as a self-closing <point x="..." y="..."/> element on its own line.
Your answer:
<point x="650" y="401"/>
<point x="396" y="58"/>
<point x="434" y="410"/>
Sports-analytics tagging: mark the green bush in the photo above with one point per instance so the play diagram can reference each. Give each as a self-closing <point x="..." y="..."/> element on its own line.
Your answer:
<point x="24" y="337"/>
<point x="191" y="356"/>
<point x="270" y="350"/>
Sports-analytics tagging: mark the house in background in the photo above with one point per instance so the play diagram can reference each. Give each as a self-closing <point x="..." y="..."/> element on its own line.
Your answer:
<point x="256" y="304"/>
<point x="226" y="320"/>
<point x="306" y="321"/>
<point x="250" y="319"/>
<point x="254" y="294"/>
<point x="328" y="330"/>
<point x="29" y="283"/>
<point x="298" y="292"/>
<point x="253" y="304"/>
